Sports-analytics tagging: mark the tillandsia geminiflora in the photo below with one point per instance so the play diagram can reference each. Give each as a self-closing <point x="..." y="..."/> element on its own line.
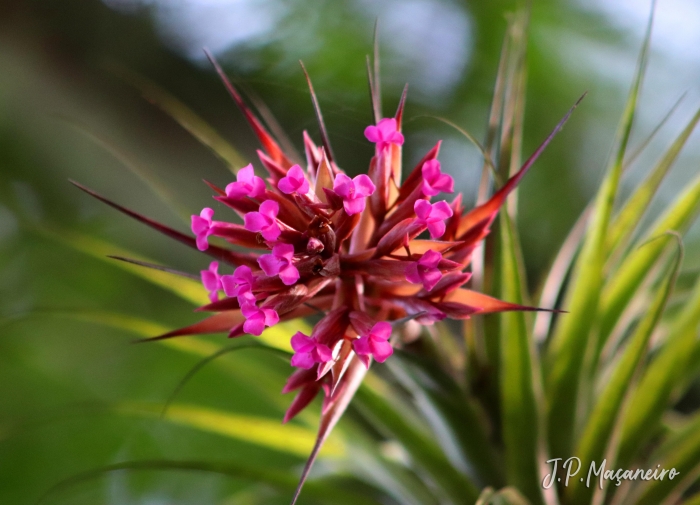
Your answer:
<point x="370" y="253"/>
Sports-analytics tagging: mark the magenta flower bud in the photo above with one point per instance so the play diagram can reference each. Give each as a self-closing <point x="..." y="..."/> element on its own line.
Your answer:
<point x="353" y="191"/>
<point x="308" y="351"/>
<point x="434" y="180"/>
<point x="202" y="227"/>
<point x="376" y="344"/>
<point x="257" y="318"/>
<point x="294" y="182"/>
<point x="280" y="262"/>
<point x="425" y="271"/>
<point x="212" y="281"/>
<point x="384" y="134"/>
<point x="239" y="284"/>
<point x="264" y="221"/>
<point x="433" y="216"/>
<point x="247" y="184"/>
<point x="314" y="246"/>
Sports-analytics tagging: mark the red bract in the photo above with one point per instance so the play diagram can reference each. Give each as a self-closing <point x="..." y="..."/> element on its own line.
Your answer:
<point x="351" y="248"/>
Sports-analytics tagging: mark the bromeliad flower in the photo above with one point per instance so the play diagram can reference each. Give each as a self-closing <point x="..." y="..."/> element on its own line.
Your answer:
<point x="265" y="220"/>
<point x="280" y="262"/>
<point x="212" y="281"/>
<point x="247" y="184"/>
<point x="318" y="240"/>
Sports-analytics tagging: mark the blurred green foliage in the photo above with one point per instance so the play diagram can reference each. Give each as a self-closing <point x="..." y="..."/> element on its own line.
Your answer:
<point x="61" y="374"/>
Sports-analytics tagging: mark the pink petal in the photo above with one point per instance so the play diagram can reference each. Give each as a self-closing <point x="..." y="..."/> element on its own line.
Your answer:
<point x="289" y="275"/>
<point x="430" y="259"/>
<point x="324" y="353"/>
<point x="245" y="175"/>
<point x="372" y="134"/>
<point x="303" y="360"/>
<point x="286" y="186"/>
<point x="202" y="243"/>
<point x="343" y="185"/>
<point x="441" y="210"/>
<point x="302" y="343"/>
<point x="381" y="330"/>
<point x="210" y="280"/>
<point x="284" y="251"/>
<point x="255" y="325"/>
<point x="363" y="185"/>
<point x="436" y="229"/>
<point x="270" y="264"/>
<point x="245" y="296"/>
<point x="445" y="183"/>
<point x="387" y="127"/>
<point x="430" y="278"/>
<point x="396" y="138"/>
<point x="271" y="317"/>
<point x="431" y="170"/>
<point x="258" y="189"/>
<point x="381" y="350"/>
<point x="412" y="273"/>
<point x="422" y="209"/>
<point x="428" y="190"/>
<point x="354" y="206"/>
<point x="269" y="208"/>
<point x="243" y="275"/>
<point x="271" y="232"/>
<point x="255" y="221"/>
<point x="207" y="213"/>
<point x="361" y="346"/>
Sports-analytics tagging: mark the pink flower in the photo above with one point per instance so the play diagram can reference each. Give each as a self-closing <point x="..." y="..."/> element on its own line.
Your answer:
<point x="384" y="134"/>
<point x="425" y="271"/>
<point x="212" y="280"/>
<point x="375" y="344"/>
<point x="247" y="184"/>
<point x="257" y="318"/>
<point x="308" y="351"/>
<point x="294" y="182"/>
<point x="432" y="215"/>
<point x="280" y="262"/>
<point x="264" y="221"/>
<point x="239" y="284"/>
<point x="202" y="227"/>
<point x="434" y="180"/>
<point x="353" y="191"/>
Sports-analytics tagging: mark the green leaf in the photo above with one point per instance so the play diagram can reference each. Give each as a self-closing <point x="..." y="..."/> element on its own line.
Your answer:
<point x="572" y="339"/>
<point x="683" y="459"/>
<point x="623" y="284"/>
<point x="320" y="492"/>
<point x="636" y="205"/>
<point x="668" y="368"/>
<point x="454" y="417"/>
<point x="598" y="441"/>
<point x="424" y="452"/>
<point x="505" y="496"/>
<point x="185" y="288"/>
<point x="184" y="116"/>
<point x="521" y="388"/>
<point x="264" y="432"/>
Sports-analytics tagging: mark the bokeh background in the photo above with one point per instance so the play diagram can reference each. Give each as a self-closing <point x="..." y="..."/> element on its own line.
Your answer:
<point x="66" y="112"/>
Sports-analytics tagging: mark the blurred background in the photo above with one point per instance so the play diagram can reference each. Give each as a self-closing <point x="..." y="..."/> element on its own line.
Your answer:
<point x="67" y="111"/>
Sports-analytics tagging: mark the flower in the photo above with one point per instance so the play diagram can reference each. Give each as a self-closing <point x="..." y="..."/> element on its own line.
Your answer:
<point x="280" y="262"/>
<point x="247" y="184"/>
<point x="432" y="216"/>
<point x="434" y="181"/>
<point x="384" y="134"/>
<point x="257" y="318"/>
<point x="238" y="284"/>
<point x="425" y="270"/>
<point x="212" y="281"/>
<point x="353" y="192"/>
<point x="375" y="343"/>
<point x="202" y="227"/>
<point x="308" y="351"/>
<point x="294" y="182"/>
<point x="265" y="220"/>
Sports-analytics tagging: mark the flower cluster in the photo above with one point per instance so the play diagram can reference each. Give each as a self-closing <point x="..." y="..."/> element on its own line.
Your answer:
<point x="368" y="252"/>
<point x="352" y="248"/>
